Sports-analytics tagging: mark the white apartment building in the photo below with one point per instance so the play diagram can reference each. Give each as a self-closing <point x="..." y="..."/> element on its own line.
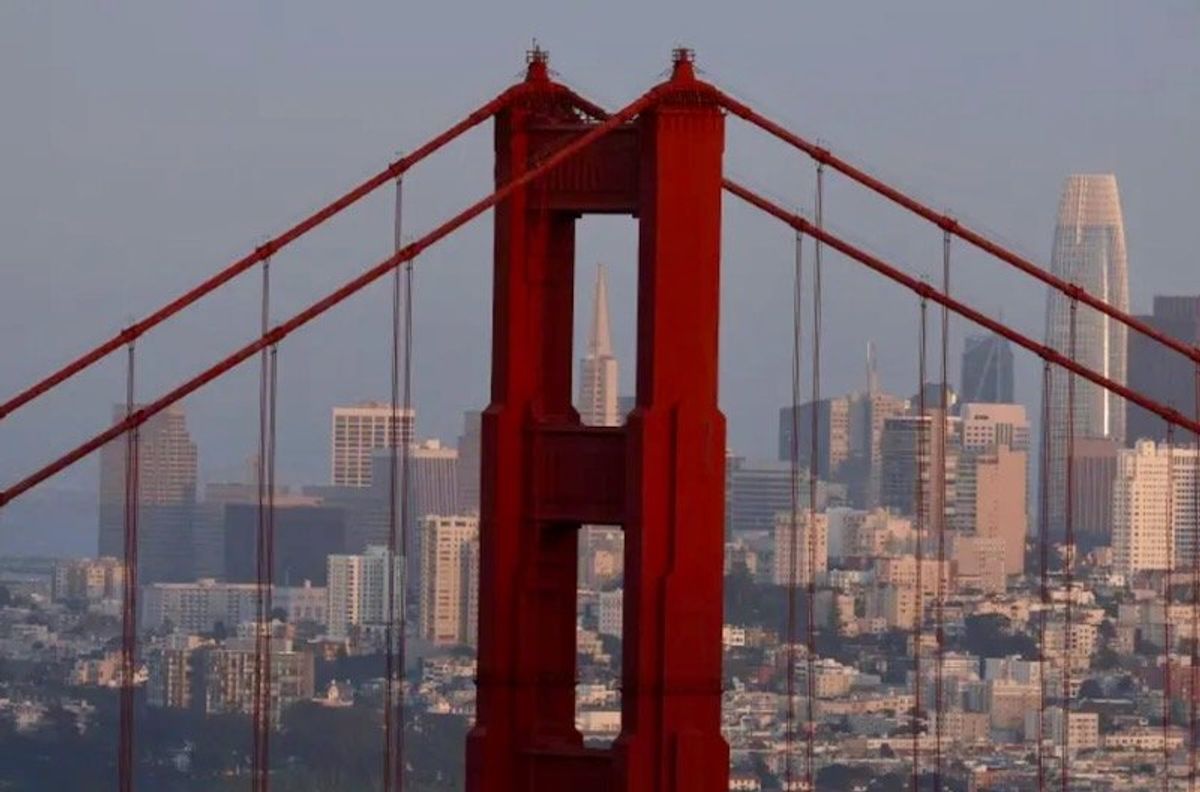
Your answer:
<point x="358" y="589"/>
<point x="198" y="607"/>
<point x="1154" y="507"/>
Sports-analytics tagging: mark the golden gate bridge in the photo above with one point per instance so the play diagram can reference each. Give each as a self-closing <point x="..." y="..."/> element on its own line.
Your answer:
<point x="659" y="159"/>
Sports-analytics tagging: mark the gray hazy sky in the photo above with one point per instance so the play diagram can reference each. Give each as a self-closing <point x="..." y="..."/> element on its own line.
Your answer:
<point x="145" y="144"/>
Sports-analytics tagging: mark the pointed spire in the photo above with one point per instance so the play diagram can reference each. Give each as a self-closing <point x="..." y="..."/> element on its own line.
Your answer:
<point x="600" y="342"/>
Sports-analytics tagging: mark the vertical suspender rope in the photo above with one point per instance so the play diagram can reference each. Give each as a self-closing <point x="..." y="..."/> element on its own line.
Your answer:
<point x="125" y="758"/>
<point x="794" y="524"/>
<point x="405" y="515"/>
<point x="1167" y="600"/>
<point x="813" y="463"/>
<point x="393" y="769"/>
<point x="1194" y="548"/>
<point x="258" y="762"/>
<point x="922" y="450"/>
<point x="269" y="588"/>
<point x="940" y="484"/>
<point x="1069" y="560"/>
<point x="1043" y="569"/>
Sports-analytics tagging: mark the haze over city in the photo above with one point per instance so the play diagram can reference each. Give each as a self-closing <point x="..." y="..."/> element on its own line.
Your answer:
<point x="148" y="145"/>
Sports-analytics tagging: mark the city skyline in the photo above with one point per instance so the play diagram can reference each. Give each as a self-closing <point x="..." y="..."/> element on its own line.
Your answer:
<point x="856" y="590"/>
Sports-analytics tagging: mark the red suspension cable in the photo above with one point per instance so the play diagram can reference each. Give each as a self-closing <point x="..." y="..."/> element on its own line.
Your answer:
<point x="1044" y="570"/>
<point x="126" y="766"/>
<point x="813" y="471"/>
<point x="1194" y="547"/>
<point x="940" y="485"/>
<point x="952" y="226"/>
<point x="282" y="330"/>
<point x="1069" y="559"/>
<point x="389" y="694"/>
<point x="919" y="517"/>
<point x="960" y="308"/>
<point x="1167" y="600"/>
<point x="794" y="525"/>
<point x="264" y="251"/>
<point x="262" y="614"/>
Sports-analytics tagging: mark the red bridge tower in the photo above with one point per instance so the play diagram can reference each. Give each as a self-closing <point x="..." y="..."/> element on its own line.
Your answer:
<point x="660" y="476"/>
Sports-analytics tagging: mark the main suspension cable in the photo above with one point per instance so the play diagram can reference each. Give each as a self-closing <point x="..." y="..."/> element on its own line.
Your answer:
<point x="129" y="591"/>
<point x="922" y="452"/>
<point x="794" y="524"/>
<point x="813" y="464"/>
<point x="336" y="297"/>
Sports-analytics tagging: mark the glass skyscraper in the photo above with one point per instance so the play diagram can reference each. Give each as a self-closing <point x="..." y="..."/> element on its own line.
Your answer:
<point x="987" y="370"/>
<point x="1089" y="250"/>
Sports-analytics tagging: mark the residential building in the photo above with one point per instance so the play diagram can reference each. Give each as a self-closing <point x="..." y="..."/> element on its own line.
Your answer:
<point x="801" y="548"/>
<point x="1154" y="508"/>
<point x="445" y="585"/>
<point x="358" y="590"/>
<point x="88" y="580"/>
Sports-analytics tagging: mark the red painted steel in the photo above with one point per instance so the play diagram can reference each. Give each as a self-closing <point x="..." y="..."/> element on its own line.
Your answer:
<point x="953" y="226"/>
<point x="281" y="331"/>
<point x="267" y="249"/>
<point x="660" y="476"/>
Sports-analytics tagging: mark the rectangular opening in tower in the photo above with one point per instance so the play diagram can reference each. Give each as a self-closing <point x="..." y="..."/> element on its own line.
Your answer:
<point x="605" y="318"/>
<point x="599" y="629"/>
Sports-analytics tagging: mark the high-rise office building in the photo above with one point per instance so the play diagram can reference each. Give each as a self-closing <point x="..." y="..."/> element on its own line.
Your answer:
<point x="357" y="432"/>
<point x="993" y="475"/>
<point x="833" y="434"/>
<point x="1154" y="512"/>
<point x="1159" y="372"/>
<point x="433" y="478"/>
<point x="990" y="500"/>
<point x="601" y="548"/>
<point x="446" y="583"/>
<point x="358" y="589"/>
<point x="1095" y="471"/>
<point x="988" y="425"/>
<point x="598" y="379"/>
<point x="869" y="410"/>
<point x="469" y="453"/>
<point x="987" y="370"/>
<point x="1089" y="251"/>
<point x="912" y="447"/>
<point x="304" y="537"/>
<point x="166" y="484"/>
<point x="761" y="489"/>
